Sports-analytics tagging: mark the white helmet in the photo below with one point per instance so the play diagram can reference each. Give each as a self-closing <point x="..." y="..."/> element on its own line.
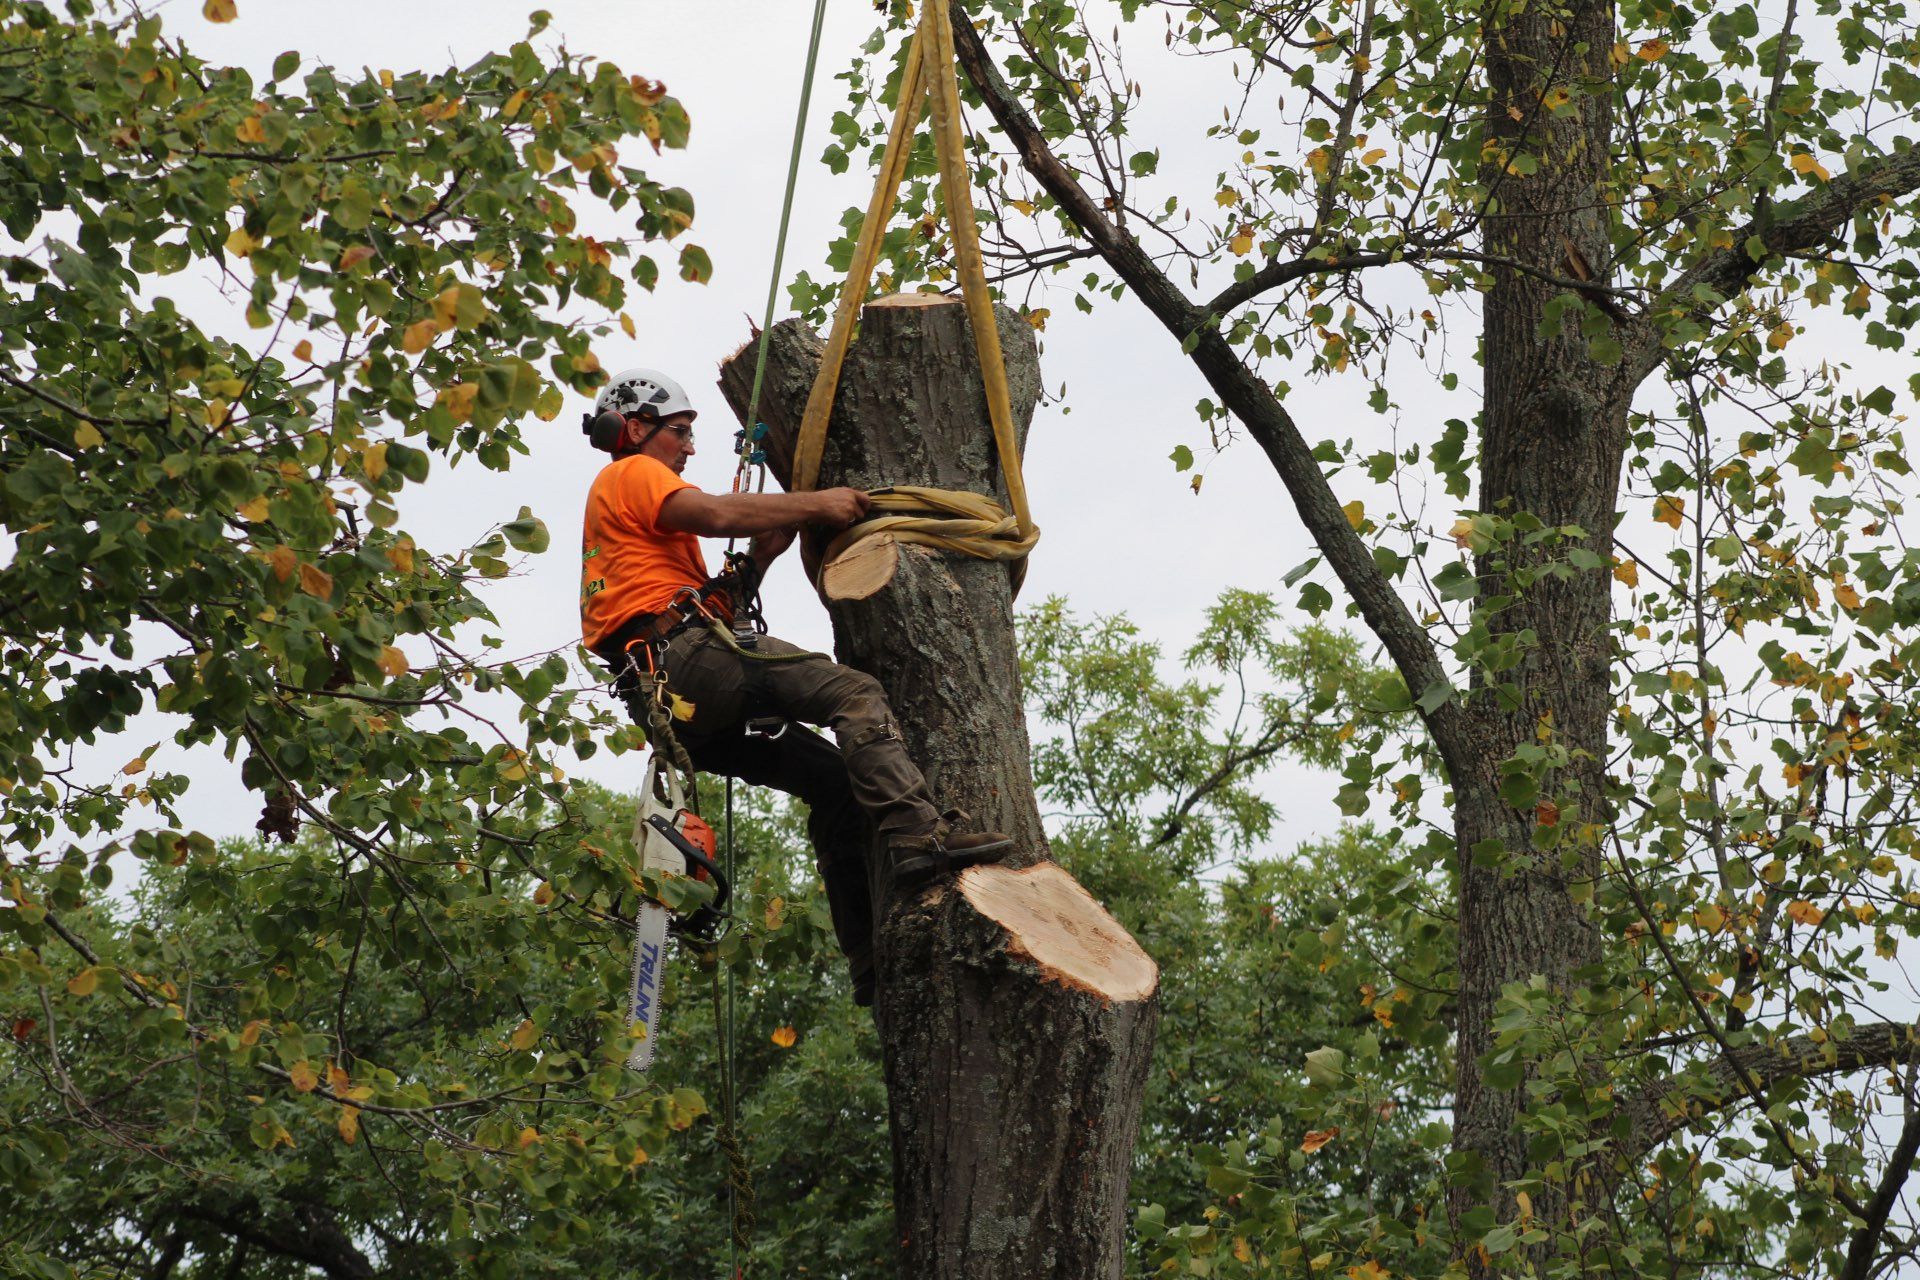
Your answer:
<point x="645" y="392"/>
<point x="642" y="393"/>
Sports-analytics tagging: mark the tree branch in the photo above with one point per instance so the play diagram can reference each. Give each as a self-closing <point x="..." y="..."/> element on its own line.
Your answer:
<point x="309" y="1234"/>
<point x="1782" y="230"/>
<point x="1686" y="1096"/>
<point x="1244" y="395"/>
<point x="1866" y="1240"/>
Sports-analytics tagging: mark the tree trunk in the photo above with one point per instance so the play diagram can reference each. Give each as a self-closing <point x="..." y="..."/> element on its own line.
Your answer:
<point x="1016" y="1015"/>
<point x="1552" y="443"/>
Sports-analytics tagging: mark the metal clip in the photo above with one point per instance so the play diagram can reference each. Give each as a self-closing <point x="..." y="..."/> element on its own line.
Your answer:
<point x="768" y="727"/>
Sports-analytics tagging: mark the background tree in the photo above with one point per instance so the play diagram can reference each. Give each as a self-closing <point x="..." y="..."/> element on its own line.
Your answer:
<point x="206" y="523"/>
<point x="1128" y="756"/>
<point x="1662" y="657"/>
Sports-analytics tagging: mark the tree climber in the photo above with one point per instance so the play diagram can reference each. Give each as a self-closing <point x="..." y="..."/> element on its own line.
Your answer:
<point x="650" y="612"/>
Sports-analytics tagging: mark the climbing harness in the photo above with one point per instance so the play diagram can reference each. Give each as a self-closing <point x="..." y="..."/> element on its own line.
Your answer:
<point x="955" y="520"/>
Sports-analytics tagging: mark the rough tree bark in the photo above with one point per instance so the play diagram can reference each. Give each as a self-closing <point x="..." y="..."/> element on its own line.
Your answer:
<point x="1553" y="441"/>
<point x="1016" y="1015"/>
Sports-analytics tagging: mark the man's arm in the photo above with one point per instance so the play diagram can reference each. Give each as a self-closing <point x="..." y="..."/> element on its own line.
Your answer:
<point x="739" y="515"/>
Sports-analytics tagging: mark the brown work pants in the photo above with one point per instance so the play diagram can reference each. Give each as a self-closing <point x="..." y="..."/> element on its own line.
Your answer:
<point x="866" y="784"/>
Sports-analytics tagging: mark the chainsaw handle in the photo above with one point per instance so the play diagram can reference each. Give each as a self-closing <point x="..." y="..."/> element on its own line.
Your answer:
<point x="697" y="860"/>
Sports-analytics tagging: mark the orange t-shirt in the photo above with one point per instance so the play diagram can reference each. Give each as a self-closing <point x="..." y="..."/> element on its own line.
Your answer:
<point x="630" y="564"/>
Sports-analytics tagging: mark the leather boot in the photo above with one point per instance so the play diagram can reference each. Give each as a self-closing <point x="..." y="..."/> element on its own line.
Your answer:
<point x="943" y="848"/>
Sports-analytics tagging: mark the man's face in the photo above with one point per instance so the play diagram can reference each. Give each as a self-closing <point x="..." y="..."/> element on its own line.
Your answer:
<point x="672" y="444"/>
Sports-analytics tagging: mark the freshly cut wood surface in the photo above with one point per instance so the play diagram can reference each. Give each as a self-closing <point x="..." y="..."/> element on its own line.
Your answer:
<point x="915" y="300"/>
<point x="1059" y="925"/>
<point x="862" y="569"/>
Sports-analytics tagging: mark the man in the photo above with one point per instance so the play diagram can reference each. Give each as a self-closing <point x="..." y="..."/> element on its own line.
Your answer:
<point x="647" y="605"/>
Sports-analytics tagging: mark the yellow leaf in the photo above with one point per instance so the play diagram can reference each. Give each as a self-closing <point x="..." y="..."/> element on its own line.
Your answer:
<point x="374" y="461"/>
<point x="1318" y="1139"/>
<point x="349" y="1124"/>
<point x="219" y="11"/>
<point x="1795" y="774"/>
<point x="1374" y="156"/>
<point x="784" y="1037"/>
<point x="525" y="1036"/>
<point x="393" y="662"/>
<point x="543" y="895"/>
<point x="254" y="510"/>
<point x="1805" y="912"/>
<point x="1845" y="593"/>
<point x="353" y="255"/>
<point x="1710" y="917"/>
<point x="1805" y="163"/>
<point x="1651" y="51"/>
<point x="250" y="1033"/>
<point x="303" y="350"/>
<point x="1226" y="196"/>
<point x="446" y="306"/>
<point x="241" y="244"/>
<point x="458" y="399"/>
<point x="776" y="913"/>
<point x="1462" y="532"/>
<point x="1626" y="571"/>
<point x="282" y="561"/>
<point x="1368" y="1270"/>
<point x="1194" y="484"/>
<point x="1242" y="1251"/>
<point x="86" y="436"/>
<point x="1241" y="245"/>
<point x="316" y="582"/>
<point x="1038" y="317"/>
<point x="1669" y="510"/>
<point x="511" y="107"/>
<point x="528" y="1136"/>
<point x="626" y="324"/>
<point x="400" y="556"/>
<point x="1356" y="513"/>
<point x="419" y="336"/>
<point x="133" y="766"/>
<point x="1024" y="206"/>
<point x="1525" y="1202"/>
<point x="84" y="982"/>
<point x="1781" y="336"/>
<point x="301" y="1076"/>
<point x="1317" y="160"/>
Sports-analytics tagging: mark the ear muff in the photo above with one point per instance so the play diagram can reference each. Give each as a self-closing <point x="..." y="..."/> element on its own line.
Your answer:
<point x="604" y="429"/>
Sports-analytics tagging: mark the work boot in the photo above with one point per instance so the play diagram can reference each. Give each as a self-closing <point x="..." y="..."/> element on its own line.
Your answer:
<point x="943" y="848"/>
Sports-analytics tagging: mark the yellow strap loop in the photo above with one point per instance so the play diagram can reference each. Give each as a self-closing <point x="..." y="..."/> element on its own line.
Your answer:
<point x="956" y="520"/>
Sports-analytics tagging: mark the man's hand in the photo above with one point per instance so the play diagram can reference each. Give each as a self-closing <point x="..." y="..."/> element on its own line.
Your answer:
<point x="839" y="508"/>
<point x="767" y="547"/>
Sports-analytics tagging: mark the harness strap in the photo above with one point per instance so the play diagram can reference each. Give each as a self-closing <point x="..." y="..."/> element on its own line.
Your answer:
<point x="960" y="521"/>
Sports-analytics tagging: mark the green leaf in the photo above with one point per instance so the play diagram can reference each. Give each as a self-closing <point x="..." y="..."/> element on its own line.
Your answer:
<point x="526" y="533"/>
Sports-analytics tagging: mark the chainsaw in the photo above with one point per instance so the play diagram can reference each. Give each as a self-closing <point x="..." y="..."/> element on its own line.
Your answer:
<point x="672" y="841"/>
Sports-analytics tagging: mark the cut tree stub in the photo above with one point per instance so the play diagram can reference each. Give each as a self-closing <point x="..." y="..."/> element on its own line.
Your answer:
<point x="1058" y="925"/>
<point x="862" y="570"/>
<point x="1016" y="1015"/>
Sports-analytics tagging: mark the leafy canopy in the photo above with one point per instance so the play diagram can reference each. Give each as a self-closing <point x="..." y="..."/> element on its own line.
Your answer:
<point x="205" y="521"/>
